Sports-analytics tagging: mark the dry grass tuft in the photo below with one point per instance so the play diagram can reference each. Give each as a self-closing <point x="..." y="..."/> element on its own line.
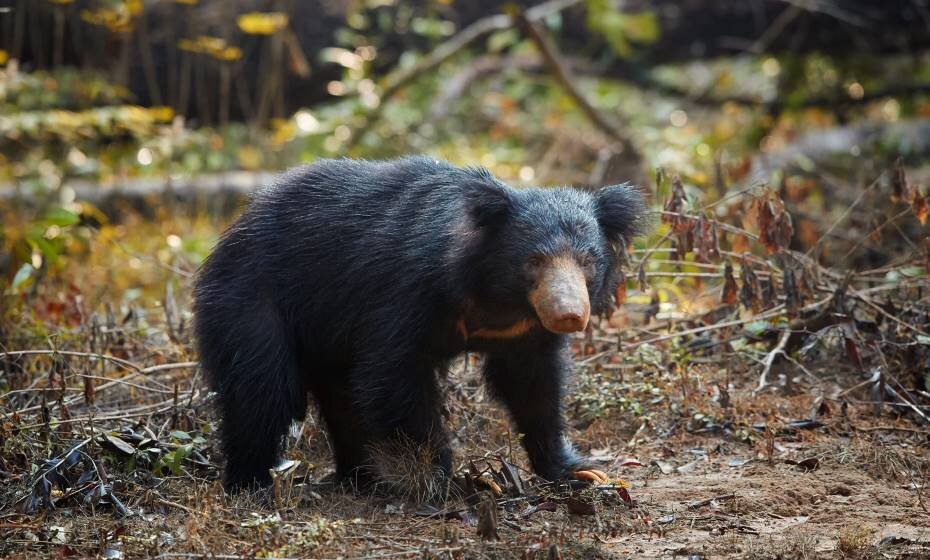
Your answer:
<point x="799" y="545"/>
<point x="407" y="469"/>
<point x="856" y="543"/>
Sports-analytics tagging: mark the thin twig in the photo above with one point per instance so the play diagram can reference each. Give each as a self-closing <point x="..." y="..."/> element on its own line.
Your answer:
<point x="398" y="80"/>
<point x="779" y="350"/>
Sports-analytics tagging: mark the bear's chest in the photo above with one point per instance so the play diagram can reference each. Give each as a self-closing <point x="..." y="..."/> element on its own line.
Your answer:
<point x="476" y="329"/>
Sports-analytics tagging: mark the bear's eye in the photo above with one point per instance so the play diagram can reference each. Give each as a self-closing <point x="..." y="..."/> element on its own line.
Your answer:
<point x="534" y="261"/>
<point x="586" y="260"/>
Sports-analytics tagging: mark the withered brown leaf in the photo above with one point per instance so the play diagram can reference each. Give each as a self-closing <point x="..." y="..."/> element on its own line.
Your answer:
<point x="900" y="188"/>
<point x="674" y="208"/>
<point x="749" y="293"/>
<point x="775" y="228"/>
<point x="620" y="292"/>
<point x="920" y="207"/>
<point x="730" y="289"/>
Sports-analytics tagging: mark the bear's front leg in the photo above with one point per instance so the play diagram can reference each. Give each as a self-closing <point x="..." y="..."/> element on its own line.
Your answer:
<point x="401" y="406"/>
<point x="529" y="376"/>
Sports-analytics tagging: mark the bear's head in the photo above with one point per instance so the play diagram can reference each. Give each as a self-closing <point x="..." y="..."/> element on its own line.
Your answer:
<point x="555" y="253"/>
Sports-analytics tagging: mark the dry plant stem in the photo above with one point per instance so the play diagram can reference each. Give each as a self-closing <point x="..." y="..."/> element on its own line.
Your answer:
<point x="846" y="213"/>
<point x="119" y="361"/>
<point x="890" y="390"/>
<point x="723" y="226"/>
<point x="779" y="350"/>
<point x="875" y="231"/>
<point x="887" y="315"/>
<point x="138" y="412"/>
<point x="655" y="247"/>
<point x="770" y="314"/>
<point x="136" y="370"/>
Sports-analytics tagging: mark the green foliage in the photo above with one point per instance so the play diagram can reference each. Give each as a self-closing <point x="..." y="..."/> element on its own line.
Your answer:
<point x="622" y="29"/>
<point x="62" y="88"/>
<point x="173" y="460"/>
<point x="37" y="243"/>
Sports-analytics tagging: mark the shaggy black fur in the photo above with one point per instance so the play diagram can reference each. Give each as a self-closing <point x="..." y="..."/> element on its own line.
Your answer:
<point x="351" y="280"/>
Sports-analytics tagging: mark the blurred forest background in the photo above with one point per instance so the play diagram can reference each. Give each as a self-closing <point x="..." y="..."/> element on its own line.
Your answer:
<point x="767" y="370"/>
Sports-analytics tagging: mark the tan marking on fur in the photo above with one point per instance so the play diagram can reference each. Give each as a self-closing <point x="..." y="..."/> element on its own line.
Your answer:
<point x="561" y="288"/>
<point x="519" y="328"/>
<point x="462" y="329"/>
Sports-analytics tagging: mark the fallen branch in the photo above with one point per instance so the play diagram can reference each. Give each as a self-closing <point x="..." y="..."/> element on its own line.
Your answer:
<point x="708" y="501"/>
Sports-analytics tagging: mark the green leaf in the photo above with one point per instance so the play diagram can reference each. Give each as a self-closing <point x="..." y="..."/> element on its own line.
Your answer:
<point x="757" y="327"/>
<point x="641" y="27"/>
<point x="621" y="29"/>
<point x="58" y="216"/>
<point x="47" y="249"/>
<point x="173" y="459"/>
<point x="23" y="275"/>
<point x="502" y="40"/>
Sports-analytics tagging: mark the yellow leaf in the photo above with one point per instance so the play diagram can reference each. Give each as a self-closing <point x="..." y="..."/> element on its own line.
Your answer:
<point x="161" y="113"/>
<point x="4" y="57"/>
<point x="920" y="207"/>
<point x="249" y="157"/>
<point x="284" y="131"/>
<point x="262" y="23"/>
<point x="211" y="44"/>
<point x="190" y="45"/>
<point x="134" y="7"/>
<point x="228" y="54"/>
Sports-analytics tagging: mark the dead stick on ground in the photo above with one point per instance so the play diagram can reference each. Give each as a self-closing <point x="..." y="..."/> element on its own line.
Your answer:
<point x="893" y="429"/>
<point x="779" y="350"/>
<point x="708" y="501"/>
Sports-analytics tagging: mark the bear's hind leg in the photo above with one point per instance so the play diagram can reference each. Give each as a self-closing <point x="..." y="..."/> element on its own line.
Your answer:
<point x="252" y="367"/>
<point x="401" y="406"/>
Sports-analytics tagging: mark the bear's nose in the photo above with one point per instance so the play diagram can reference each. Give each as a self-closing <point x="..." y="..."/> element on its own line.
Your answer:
<point x="560" y="297"/>
<point x="569" y="323"/>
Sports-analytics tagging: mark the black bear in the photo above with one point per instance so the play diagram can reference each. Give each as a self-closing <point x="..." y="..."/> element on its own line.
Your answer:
<point x="357" y="281"/>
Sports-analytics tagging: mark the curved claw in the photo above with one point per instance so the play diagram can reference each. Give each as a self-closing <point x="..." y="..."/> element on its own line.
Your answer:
<point x="591" y="475"/>
<point x="488" y="482"/>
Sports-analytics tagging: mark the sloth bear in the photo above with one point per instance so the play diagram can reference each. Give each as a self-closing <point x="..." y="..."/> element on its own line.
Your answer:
<point x="357" y="282"/>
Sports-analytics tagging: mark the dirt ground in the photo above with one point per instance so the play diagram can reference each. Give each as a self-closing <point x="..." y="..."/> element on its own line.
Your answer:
<point x="748" y="481"/>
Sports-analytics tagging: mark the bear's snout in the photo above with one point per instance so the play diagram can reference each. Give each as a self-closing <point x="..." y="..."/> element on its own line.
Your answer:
<point x="560" y="296"/>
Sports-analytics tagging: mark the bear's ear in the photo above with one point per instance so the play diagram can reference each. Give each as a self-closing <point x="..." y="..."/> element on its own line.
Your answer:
<point x="621" y="212"/>
<point x="488" y="204"/>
